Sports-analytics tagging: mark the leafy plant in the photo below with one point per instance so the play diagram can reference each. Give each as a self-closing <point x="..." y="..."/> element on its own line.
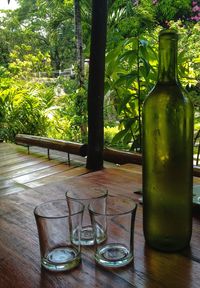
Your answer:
<point x="130" y="74"/>
<point x="23" y="108"/>
<point x="39" y="37"/>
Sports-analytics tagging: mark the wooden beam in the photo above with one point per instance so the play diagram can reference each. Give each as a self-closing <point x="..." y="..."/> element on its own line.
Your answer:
<point x="50" y="143"/>
<point x="121" y="157"/>
<point x="96" y="85"/>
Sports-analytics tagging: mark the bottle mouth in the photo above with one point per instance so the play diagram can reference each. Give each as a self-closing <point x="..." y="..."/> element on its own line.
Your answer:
<point x="169" y="33"/>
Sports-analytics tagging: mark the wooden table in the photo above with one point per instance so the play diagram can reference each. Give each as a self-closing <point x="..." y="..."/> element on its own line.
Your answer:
<point x="19" y="247"/>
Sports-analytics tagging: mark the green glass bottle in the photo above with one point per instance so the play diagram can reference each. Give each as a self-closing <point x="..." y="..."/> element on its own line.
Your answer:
<point x="167" y="155"/>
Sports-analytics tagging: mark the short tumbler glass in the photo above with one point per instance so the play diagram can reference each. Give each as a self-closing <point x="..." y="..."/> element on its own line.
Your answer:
<point x="117" y="220"/>
<point x="55" y="223"/>
<point x="85" y="195"/>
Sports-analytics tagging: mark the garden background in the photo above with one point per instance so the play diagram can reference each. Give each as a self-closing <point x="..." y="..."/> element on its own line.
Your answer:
<point x="44" y="63"/>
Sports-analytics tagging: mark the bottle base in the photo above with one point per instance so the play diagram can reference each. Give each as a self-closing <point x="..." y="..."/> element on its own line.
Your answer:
<point x="168" y="247"/>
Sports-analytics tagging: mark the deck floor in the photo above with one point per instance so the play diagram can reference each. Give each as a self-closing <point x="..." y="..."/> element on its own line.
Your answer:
<point x="20" y="170"/>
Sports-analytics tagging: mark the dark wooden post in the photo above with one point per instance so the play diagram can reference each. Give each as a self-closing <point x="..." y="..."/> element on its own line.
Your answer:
<point x="96" y="85"/>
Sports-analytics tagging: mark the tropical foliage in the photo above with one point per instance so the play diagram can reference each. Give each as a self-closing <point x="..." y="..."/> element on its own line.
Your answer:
<point x="41" y="38"/>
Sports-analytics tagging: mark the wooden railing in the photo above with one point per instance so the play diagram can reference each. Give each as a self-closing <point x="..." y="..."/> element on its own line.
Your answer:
<point x="50" y="143"/>
<point x="109" y="154"/>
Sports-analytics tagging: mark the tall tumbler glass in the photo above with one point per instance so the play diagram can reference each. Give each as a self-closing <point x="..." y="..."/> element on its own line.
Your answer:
<point x="85" y="195"/>
<point x="117" y="220"/>
<point x="55" y="223"/>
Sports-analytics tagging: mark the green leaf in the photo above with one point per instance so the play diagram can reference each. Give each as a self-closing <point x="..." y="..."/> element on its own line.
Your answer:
<point x="119" y="136"/>
<point x="129" y="56"/>
<point x="127" y="139"/>
<point x="126" y="79"/>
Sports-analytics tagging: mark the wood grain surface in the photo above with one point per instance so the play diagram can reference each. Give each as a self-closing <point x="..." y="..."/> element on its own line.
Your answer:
<point x="19" y="246"/>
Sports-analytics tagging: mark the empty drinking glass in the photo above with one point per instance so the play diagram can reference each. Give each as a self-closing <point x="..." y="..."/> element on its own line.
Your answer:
<point x="117" y="220"/>
<point x="85" y="195"/>
<point x="55" y="223"/>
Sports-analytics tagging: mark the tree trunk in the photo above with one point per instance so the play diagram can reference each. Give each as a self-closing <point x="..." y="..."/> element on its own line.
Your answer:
<point x="96" y="85"/>
<point x="79" y="43"/>
<point x="80" y="62"/>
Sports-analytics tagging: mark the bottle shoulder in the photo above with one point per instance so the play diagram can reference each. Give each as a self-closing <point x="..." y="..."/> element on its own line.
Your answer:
<point x="168" y="93"/>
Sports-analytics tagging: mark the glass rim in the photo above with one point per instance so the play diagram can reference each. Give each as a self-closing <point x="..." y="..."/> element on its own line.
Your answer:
<point x="105" y="194"/>
<point x="66" y="213"/>
<point x="130" y="210"/>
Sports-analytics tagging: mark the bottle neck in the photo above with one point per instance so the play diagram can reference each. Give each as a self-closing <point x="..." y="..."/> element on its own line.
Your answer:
<point x="167" y="71"/>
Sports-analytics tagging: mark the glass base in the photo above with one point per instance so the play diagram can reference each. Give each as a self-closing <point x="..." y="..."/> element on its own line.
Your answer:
<point x="61" y="259"/>
<point x="87" y="237"/>
<point x="113" y="255"/>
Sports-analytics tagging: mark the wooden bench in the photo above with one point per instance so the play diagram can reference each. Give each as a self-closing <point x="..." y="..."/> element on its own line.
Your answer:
<point x="53" y="144"/>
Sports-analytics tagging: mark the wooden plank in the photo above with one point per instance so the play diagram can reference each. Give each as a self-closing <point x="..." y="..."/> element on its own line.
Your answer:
<point x="43" y="173"/>
<point x="131" y="180"/>
<point x="21" y="164"/>
<point x="10" y="148"/>
<point x="6" y="183"/>
<point x="38" y="175"/>
<point x="19" y="171"/>
<point x="76" y="171"/>
<point x="16" y="171"/>
<point x="12" y="188"/>
<point x="19" y="246"/>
